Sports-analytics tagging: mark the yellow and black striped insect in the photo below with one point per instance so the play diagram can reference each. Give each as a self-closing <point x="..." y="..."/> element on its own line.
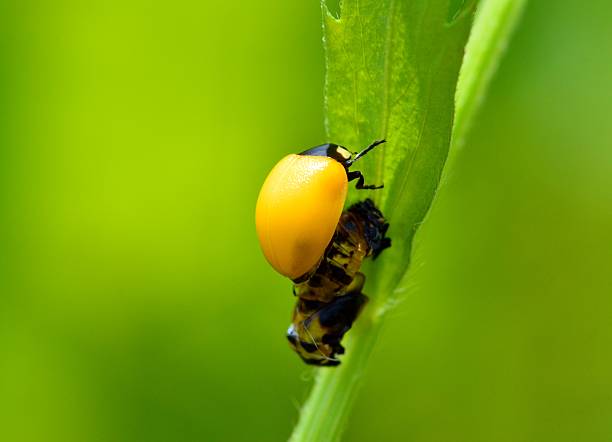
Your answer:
<point x="306" y="237"/>
<point x="330" y="297"/>
<point x="318" y="327"/>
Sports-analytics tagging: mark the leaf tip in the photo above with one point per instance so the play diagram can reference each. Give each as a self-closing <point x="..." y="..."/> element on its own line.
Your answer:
<point x="331" y="9"/>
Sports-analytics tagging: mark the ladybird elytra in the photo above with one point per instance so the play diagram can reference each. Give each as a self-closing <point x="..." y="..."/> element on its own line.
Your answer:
<point x="297" y="211"/>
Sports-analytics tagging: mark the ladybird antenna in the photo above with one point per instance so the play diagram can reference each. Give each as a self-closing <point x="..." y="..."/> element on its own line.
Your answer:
<point x="366" y="150"/>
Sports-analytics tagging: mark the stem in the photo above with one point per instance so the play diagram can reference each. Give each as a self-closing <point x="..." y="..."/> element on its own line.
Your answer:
<point x="323" y="416"/>
<point x="493" y="26"/>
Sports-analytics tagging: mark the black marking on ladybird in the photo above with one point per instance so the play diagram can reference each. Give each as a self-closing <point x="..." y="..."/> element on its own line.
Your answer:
<point x="331" y="150"/>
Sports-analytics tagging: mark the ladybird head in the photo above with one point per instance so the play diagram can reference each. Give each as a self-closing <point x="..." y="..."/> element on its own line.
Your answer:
<point x="339" y="153"/>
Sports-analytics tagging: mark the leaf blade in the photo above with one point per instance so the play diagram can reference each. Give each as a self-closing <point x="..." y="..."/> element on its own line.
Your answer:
<point x="392" y="73"/>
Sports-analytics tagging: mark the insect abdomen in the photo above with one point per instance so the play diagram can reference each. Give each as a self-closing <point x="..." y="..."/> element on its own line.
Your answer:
<point x="360" y="233"/>
<point x="330" y="297"/>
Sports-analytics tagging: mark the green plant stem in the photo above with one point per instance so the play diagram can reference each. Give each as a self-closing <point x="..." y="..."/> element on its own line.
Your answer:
<point x="324" y="414"/>
<point x="495" y="21"/>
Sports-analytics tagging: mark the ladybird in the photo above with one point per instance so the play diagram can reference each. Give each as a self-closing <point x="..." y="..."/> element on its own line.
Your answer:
<point x="330" y="297"/>
<point x="300" y="204"/>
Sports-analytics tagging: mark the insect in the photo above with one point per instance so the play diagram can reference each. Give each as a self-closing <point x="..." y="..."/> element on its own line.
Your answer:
<point x="306" y="237"/>
<point x="330" y="297"/>
<point x="317" y="327"/>
<point x="300" y="203"/>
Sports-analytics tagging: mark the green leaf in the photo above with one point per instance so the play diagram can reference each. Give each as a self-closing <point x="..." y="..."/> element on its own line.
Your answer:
<point x="392" y="72"/>
<point x="392" y="69"/>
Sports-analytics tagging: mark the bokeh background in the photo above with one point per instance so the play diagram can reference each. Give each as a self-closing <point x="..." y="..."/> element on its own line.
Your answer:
<point x="135" y="304"/>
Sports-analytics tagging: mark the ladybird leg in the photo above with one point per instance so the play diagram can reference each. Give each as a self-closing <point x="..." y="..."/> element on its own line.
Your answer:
<point x="357" y="175"/>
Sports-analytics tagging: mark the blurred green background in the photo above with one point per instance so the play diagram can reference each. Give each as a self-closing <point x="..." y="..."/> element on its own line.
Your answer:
<point x="135" y="304"/>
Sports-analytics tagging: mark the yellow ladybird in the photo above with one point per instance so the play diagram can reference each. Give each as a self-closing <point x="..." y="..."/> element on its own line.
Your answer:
<point x="300" y="204"/>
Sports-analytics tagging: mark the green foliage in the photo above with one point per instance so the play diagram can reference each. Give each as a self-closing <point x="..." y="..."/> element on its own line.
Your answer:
<point x="136" y="306"/>
<point x="392" y="72"/>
